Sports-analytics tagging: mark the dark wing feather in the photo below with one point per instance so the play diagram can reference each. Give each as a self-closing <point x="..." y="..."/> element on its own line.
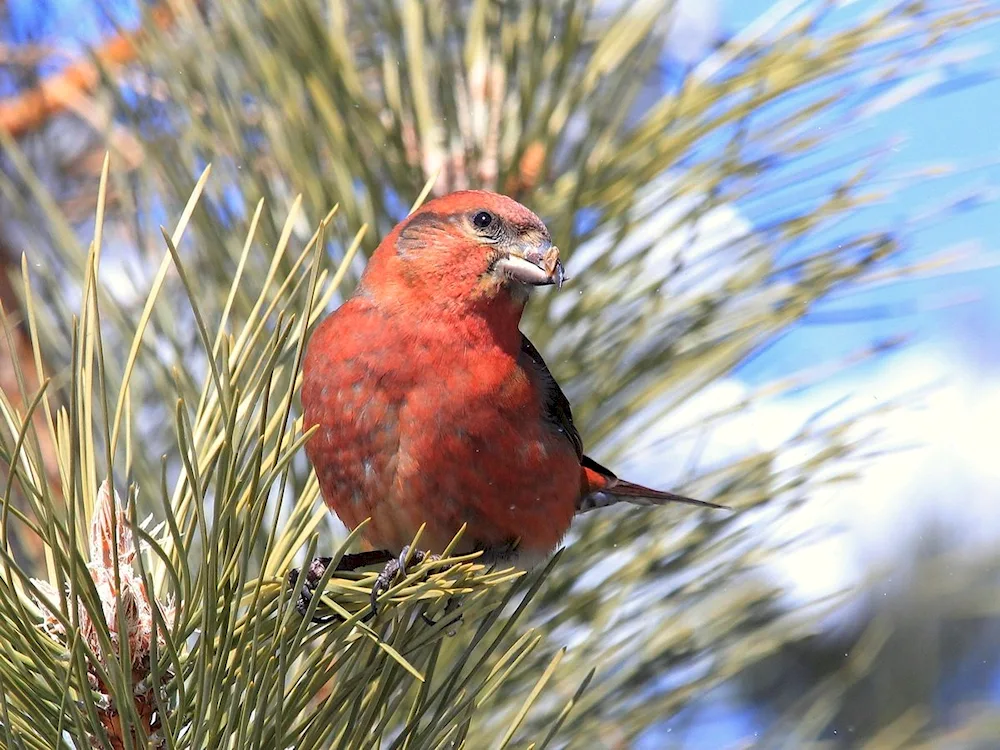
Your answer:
<point x="606" y="488"/>
<point x="555" y="405"/>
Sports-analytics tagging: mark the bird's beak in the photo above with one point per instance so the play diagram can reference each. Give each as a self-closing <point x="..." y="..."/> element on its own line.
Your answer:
<point x="536" y="265"/>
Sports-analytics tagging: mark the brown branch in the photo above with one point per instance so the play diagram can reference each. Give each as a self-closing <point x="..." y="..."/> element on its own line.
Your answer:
<point x="28" y="111"/>
<point x="25" y="56"/>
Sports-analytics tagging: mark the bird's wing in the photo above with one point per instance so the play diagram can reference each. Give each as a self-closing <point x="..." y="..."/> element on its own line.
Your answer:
<point x="555" y="405"/>
<point x="600" y="486"/>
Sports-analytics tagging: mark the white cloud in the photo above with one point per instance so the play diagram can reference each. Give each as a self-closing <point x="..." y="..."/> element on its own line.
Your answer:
<point x="694" y="25"/>
<point x="906" y="90"/>
<point x="693" y="30"/>
<point x="949" y="477"/>
<point x="945" y="475"/>
<point x="669" y="227"/>
<point x="949" y="474"/>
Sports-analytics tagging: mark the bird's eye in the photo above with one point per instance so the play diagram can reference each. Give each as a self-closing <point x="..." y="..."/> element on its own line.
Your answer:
<point x="482" y="219"/>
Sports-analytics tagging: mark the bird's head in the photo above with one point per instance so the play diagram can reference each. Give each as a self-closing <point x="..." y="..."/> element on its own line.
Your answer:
<point x="467" y="248"/>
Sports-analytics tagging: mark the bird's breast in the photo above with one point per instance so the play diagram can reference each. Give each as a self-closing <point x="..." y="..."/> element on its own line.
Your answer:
<point x="411" y="431"/>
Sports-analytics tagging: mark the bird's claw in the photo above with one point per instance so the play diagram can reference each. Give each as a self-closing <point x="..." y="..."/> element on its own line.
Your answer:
<point x="394" y="568"/>
<point x="317" y="569"/>
<point x="313" y="575"/>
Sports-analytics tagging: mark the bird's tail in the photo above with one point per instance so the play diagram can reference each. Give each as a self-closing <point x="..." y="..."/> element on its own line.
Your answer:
<point x="602" y="488"/>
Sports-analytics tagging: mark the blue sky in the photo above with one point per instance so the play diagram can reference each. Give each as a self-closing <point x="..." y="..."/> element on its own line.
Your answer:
<point x="960" y="127"/>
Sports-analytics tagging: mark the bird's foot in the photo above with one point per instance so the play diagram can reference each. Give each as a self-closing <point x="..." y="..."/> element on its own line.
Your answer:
<point x="314" y="572"/>
<point x="318" y="567"/>
<point x="397" y="567"/>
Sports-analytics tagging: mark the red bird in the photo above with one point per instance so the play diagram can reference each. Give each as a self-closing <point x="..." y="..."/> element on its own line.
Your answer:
<point x="433" y="408"/>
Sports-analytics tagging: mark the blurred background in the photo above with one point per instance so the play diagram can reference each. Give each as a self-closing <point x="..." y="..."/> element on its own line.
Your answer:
<point x="782" y="232"/>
